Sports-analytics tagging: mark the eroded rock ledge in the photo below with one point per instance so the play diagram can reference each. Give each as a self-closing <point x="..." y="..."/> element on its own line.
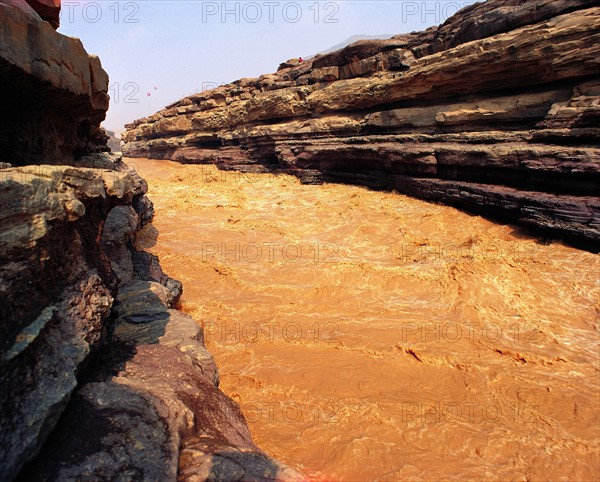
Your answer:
<point x="54" y="95"/>
<point x="102" y="378"/>
<point x="496" y="112"/>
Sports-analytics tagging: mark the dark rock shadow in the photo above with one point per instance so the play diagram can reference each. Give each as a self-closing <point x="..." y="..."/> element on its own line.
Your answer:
<point x="147" y="237"/>
<point x="109" y="432"/>
<point x="239" y="466"/>
<point x="499" y="214"/>
<point x="102" y="419"/>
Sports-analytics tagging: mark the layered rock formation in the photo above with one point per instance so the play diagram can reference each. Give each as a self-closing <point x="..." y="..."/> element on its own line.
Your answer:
<point x="102" y="378"/>
<point x="496" y="111"/>
<point x="54" y="95"/>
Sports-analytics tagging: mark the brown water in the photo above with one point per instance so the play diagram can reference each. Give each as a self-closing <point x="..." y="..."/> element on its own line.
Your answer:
<point x="371" y="336"/>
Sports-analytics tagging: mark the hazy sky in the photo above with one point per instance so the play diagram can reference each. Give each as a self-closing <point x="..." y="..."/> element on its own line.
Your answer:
<point x="173" y="48"/>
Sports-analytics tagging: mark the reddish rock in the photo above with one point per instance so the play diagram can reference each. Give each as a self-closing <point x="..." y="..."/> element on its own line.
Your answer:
<point x="49" y="10"/>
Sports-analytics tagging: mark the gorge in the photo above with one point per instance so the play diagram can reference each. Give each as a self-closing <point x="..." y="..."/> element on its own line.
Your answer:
<point x="379" y="263"/>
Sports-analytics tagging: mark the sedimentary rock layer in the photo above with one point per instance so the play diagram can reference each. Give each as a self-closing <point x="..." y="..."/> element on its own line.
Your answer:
<point x="496" y="111"/>
<point x="53" y="94"/>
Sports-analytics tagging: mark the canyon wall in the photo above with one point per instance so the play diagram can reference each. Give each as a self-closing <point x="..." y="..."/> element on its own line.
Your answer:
<point x="496" y="112"/>
<point x="102" y="378"/>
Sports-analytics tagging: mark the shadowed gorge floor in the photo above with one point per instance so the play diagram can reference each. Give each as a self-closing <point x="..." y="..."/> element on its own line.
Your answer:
<point x="372" y="336"/>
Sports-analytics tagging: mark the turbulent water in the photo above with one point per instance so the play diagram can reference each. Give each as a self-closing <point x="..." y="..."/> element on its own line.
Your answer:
<point x="371" y="336"/>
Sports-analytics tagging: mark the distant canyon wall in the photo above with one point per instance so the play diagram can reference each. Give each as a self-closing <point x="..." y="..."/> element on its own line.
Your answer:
<point x="496" y="112"/>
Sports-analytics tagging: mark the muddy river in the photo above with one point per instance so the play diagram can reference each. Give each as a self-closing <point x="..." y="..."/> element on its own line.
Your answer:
<point x="369" y="336"/>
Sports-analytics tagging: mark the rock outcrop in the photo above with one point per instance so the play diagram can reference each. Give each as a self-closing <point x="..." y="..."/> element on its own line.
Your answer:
<point x="54" y="95"/>
<point x="496" y="111"/>
<point x="57" y="291"/>
<point x="102" y="378"/>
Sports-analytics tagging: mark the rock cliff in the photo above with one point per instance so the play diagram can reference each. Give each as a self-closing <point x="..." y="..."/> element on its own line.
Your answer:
<point x="102" y="378"/>
<point x="54" y="95"/>
<point x="496" y="112"/>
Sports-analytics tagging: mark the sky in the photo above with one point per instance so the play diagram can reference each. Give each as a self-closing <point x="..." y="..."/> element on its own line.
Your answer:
<point x="173" y="48"/>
